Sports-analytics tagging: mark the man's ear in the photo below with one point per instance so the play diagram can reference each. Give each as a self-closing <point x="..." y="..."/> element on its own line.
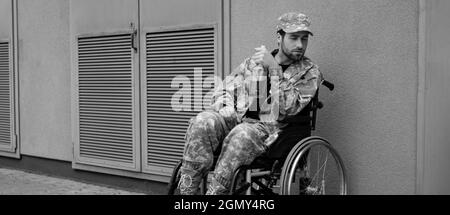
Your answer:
<point x="279" y="38"/>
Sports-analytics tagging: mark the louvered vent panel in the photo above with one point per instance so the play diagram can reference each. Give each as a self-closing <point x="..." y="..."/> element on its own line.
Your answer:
<point x="105" y="98"/>
<point x="5" y="96"/>
<point x="169" y="54"/>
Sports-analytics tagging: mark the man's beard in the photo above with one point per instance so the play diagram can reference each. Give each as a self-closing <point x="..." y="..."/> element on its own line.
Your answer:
<point x="291" y="55"/>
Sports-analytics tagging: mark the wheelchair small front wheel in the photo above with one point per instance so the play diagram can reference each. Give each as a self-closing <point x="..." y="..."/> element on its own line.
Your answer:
<point x="313" y="167"/>
<point x="172" y="187"/>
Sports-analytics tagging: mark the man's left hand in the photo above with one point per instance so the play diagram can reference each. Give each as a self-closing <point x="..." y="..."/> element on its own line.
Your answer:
<point x="263" y="57"/>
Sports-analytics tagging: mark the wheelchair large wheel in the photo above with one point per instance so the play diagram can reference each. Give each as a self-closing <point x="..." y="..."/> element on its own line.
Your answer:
<point x="313" y="167"/>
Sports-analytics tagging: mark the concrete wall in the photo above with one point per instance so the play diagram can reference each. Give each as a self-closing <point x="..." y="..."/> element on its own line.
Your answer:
<point x="5" y="19"/>
<point x="44" y="64"/>
<point x="369" y="49"/>
<point x="163" y="13"/>
<point x="99" y="16"/>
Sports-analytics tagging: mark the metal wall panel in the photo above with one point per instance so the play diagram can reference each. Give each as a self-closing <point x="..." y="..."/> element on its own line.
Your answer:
<point x="176" y="37"/>
<point x="5" y="19"/>
<point x="105" y="76"/>
<point x="192" y="41"/>
<point x="44" y="63"/>
<point x="6" y="99"/>
<point x="8" y="142"/>
<point x="105" y="95"/>
<point x="175" y="56"/>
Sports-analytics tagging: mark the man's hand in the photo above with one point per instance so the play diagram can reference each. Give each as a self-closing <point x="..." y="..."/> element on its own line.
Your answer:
<point x="227" y="112"/>
<point x="263" y="57"/>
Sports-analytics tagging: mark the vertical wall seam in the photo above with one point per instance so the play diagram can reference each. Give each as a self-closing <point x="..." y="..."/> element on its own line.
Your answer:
<point x="15" y="38"/>
<point x="226" y="20"/>
<point x="139" y="91"/>
<point x="421" y="156"/>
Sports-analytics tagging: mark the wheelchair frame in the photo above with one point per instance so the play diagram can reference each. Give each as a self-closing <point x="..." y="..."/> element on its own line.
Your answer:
<point x="265" y="176"/>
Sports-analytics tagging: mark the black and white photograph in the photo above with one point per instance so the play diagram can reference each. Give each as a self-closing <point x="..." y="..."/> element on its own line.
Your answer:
<point x="178" y="98"/>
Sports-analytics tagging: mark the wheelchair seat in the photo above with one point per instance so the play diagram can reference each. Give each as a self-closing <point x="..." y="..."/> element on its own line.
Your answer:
<point x="262" y="162"/>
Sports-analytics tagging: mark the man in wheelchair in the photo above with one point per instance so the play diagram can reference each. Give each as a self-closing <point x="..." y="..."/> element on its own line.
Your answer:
<point x="261" y="111"/>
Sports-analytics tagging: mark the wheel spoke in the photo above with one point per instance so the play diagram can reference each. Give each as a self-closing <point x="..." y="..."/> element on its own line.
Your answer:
<point x="324" y="180"/>
<point x="318" y="171"/>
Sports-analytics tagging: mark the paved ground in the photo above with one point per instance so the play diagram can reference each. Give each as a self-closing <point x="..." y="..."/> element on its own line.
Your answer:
<point x="15" y="182"/>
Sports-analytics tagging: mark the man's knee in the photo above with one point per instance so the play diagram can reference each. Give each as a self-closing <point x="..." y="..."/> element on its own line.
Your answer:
<point x="204" y="118"/>
<point x="201" y="125"/>
<point x="206" y="127"/>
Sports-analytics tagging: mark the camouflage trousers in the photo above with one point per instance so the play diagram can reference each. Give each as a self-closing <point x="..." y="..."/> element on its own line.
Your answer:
<point x="209" y="134"/>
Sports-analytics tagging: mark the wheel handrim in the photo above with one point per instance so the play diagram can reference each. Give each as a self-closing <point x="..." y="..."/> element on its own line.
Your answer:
<point x="293" y="161"/>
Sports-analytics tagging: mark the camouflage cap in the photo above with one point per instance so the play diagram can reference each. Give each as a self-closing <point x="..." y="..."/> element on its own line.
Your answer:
<point x="293" y="22"/>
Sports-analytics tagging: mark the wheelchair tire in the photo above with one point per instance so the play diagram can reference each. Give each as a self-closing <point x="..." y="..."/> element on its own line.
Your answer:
<point x="312" y="184"/>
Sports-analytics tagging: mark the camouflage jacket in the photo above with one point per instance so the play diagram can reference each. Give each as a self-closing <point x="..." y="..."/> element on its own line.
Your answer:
<point x="290" y="90"/>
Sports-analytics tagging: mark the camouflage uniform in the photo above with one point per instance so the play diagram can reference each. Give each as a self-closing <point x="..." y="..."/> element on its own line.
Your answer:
<point x="209" y="134"/>
<point x="239" y="140"/>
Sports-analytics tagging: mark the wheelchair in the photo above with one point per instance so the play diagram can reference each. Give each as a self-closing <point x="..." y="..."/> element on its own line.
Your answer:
<point x="312" y="167"/>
